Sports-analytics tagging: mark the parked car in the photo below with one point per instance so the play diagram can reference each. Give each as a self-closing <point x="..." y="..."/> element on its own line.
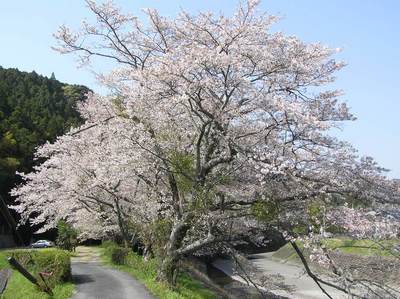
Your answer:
<point x="42" y="244"/>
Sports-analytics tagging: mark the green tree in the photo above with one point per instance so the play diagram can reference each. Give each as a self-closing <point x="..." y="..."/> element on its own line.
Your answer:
<point x="33" y="109"/>
<point x="67" y="237"/>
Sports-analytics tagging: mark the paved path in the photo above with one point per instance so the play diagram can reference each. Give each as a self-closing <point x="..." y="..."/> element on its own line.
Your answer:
<point x="94" y="281"/>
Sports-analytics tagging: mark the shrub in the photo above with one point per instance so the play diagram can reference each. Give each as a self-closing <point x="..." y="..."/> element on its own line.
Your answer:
<point x="67" y="237"/>
<point x="119" y="254"/>
<point x="157" y="235"/>
<point x="108" y="244"/>
<point x="108" y="247"/>
<point x="56" y="262"/>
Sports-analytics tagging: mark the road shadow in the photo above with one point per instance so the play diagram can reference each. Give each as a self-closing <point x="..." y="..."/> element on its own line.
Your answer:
<point x="82" y="278"/>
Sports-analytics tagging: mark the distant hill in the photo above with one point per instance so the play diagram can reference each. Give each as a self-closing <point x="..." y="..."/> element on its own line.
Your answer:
<point x="33" y="109"/>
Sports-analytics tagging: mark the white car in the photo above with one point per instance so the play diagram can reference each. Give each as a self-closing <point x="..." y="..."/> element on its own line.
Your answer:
<point x="42" y="244"/>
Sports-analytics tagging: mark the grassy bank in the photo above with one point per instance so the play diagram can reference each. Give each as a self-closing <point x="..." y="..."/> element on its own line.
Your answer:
<point x="344" y="245"/>
<point x="363" y="247"/>
<point x="44" y="260"/>
<point x="146" y="272"/>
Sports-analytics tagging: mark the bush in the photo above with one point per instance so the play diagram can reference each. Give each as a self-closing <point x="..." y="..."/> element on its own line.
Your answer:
<point x="108" y="247"/>
<point x="56" y="262"/>
<point x="108" y="244"/>
<point x="119" y="254"/>
<point x="67" y="238"/>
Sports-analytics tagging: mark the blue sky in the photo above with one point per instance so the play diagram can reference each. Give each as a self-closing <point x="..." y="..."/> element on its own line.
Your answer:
<point x="368" y="31"/>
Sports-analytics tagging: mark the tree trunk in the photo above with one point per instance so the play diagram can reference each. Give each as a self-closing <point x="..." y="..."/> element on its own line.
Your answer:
<point x="148" y="254"/>
<point x="121" y="225"/>
<point x="168" y="269"/>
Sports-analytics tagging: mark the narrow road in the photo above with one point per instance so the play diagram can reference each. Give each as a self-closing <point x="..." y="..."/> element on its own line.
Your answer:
<point x="95" y="281"/>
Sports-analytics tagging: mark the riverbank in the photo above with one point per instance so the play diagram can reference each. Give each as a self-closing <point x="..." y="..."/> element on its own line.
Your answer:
<point x="283" y="273"/>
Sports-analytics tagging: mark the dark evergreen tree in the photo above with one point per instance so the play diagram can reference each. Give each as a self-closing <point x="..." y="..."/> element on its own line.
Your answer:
<point x="33" y="109"/>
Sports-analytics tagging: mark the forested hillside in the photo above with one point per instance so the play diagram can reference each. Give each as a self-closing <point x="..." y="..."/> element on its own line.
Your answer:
<point x="33" y="109"/>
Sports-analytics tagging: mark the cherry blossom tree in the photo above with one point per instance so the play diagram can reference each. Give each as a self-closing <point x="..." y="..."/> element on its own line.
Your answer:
<point x="89" y="178"/>
<point x="213" y="123"/>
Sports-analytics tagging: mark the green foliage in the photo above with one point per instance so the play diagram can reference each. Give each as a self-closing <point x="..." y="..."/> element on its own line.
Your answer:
<point x="33" y="109"/>
<point x="108" y="246"/>
<point x="300" y="229"/>
<point x="67" y="237"/>
<point x="159" y="231"/>
<point x="153" y="235"/>
<point x="119" y="107"/>
<point x="315" y="212"/>
<point x="265" y="210"/>
<point x="204" y="196"/>
<point x="44" y="260"/>
<point x="52" y="261"/>
<point x="222" y="179"/>
<point x="316" y="215"/>
<point x="365" y="247"/>
<point x="119" y="255"/>
<point x="335" y="229"/>
<point x="146" y="272"/>
<point x="183" y="167"/>
<point x="315" y="219"/>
